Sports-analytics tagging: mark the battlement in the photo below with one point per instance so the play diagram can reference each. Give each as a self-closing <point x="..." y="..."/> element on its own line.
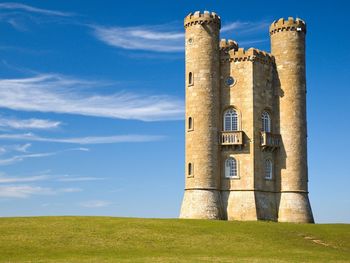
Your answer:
<point x="288" y="25"/>
<point x="202" y="18"/>
<point x="252" y="54"/>
<point x="227" y="45"/>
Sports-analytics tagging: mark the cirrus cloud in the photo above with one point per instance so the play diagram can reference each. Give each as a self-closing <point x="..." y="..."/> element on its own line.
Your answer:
<point x="32" y="123"/>
<point x="62" y="94"/>
<point x="31" y="9"/>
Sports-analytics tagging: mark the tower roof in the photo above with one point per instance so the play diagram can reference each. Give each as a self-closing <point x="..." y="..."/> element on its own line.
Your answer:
<point x="290" y="24"/>
<point x="202" y="18"/>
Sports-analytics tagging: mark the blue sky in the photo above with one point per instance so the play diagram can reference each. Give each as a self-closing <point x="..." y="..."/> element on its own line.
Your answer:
<point x="92" y="103"/>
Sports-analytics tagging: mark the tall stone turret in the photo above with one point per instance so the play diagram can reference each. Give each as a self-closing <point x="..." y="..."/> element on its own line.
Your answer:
<point x="288" y="48"/>
<point x="202" y="194"/>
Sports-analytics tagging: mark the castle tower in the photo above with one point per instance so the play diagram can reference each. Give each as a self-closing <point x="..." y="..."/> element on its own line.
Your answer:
<point x="288" y="48"/>
<point x="202" y="194"/>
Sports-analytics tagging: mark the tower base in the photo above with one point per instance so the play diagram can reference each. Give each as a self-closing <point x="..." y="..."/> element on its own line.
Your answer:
<point x="239" y="205"/>
<point x="295" y="207"/>
<point x="201" y="204"/>
<point x="249" y="205"/>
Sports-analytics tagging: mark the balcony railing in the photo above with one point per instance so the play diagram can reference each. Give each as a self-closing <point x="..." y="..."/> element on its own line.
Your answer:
<point x="231" y="138"/>
<point x="270" y="140"/>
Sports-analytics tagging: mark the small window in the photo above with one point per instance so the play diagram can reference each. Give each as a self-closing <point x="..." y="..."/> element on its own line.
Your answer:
<point x="231" y="170"/>
<point x="268" y="169"/>
<point x="231" y="120"/>
<point x="230" y="81"/>
<point x="190" y="78"/>
<point x="190" y="169"/>
<point x="190" y="123"/>
<point x="266" y="122"/>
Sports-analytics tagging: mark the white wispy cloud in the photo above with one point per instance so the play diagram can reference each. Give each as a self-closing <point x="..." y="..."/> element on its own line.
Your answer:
<point x="19" y="158"/>
<point x="95" y="204"/>
<point x="46" y="176"/>
<point x="28" y="8"/>
<point x="26" y="191"/>
<point x="232" y="26"/>
<point x="249" y="32"/>
<point x="33" y="123"/>
<point x="83" y="140"/>
<point x="23" y="191"/>
<point x="162" y="38"/>
<point x="8" y="179"/>
<point x="70" y="190"/>
<point x="79" y="179"/>
<point x="245" y="26"/>
<point x="23" y="148"/>
<point x="62" y="94"/>
<point x="155" y="38"/>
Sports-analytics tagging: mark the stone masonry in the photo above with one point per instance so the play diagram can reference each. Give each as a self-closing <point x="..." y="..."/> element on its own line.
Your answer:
<point x="245" y="166"/>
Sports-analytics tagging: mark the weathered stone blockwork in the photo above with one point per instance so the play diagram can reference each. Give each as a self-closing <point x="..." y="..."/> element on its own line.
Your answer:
<point x="262" y="82"/>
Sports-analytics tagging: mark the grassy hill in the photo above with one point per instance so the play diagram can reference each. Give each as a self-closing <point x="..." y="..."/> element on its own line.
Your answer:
<point x="107" y="239"/>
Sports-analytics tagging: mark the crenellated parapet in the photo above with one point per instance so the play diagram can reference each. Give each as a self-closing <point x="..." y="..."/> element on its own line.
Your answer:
<point x="227" y="45"/>
<point x="252" y="54"/>
<point x="288" y="25"/>
<point x="202" y="18"/>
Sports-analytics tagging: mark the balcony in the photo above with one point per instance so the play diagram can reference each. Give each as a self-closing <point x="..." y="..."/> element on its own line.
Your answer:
<point x="270" y="141"/>
<point x="231" y="138"/>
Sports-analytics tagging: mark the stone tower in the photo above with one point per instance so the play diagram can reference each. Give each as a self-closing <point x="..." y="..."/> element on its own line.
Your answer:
<point x="202" y="191"/>
<point x="245" y="125"/>
<point x="288" y="49"/>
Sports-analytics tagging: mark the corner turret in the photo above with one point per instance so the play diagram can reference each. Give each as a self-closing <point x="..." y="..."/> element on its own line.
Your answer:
<point x="288" y="48"/>
<point x="202" y="197"/>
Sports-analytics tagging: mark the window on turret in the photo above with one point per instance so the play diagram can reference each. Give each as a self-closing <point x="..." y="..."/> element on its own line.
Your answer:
<point x="266" y="122"/>
<point x="268" y="169"/>
<point x="190" y="123"/>
<point x="190" y="78"/>
<point x="231" y="170"/>
<point x="190" y="169"/>
<point x="231" y="120"/>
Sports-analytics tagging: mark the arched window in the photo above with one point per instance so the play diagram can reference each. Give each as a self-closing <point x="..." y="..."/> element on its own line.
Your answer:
<point x="190" y="123"/>
<point x="266" y="122"/>
<point x="190" y="78"/>
<point x="231" y="167"/>
<point x="231" y="120"/>
<point x="268" y="169"/>
<point x="190" y="169"/>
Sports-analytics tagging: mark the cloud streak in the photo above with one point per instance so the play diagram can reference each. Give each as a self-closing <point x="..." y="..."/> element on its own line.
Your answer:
<point x="28" y="123"/>
<point x="83" y="140"/>
<point x="167" y="38"/>
<point x="162" y="38"/>
<point x="244" y="27"/>
<point x="23" y="148"/>
<point x="79" y="179"/>
<point x="22" y="157"/>
<point x="95" y="204"/>
<point x="23" y="191"/>
<point x="61" y="94"/>
<point x="26" y="191"/>
<point x="31" y="9"/>
<point x="156" y="38"/>
<point x="6" y="179"/>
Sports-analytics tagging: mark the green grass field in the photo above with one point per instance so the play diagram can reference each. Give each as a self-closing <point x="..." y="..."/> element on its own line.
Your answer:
<point x="107" y="239"/>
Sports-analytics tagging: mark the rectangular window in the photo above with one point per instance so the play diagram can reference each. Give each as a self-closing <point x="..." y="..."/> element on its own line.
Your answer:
<point x="190" y="79"/>
<point x="190" y="169"/>
<point x="190" y="124"/>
